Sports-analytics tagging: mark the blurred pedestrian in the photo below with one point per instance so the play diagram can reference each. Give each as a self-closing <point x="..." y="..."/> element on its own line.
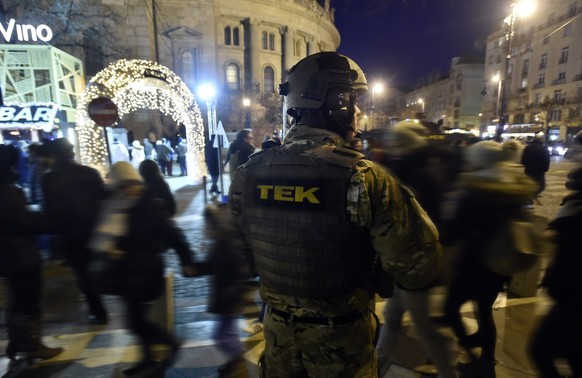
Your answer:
<point x="493" y="191"/>
<point x="137" y="154"/>
<point x="148" y="149"/>
<point x="132" y="233"/>
<point x="181" y="150"/>
<point x="331" y="212"/>
<point x="21" y="264"/>
<point x="559" y="335"/>
<point x="536" y="161"/>
<point x="40" y="164"/>
<point x="212" y="164"/>
<point x="72" y="195"/>
<point x="240" y="150"/>
<point x="514" y="149"/>
<point x="230" y="278"/>
<point x="164" y="154"/>
<point x="156" y="186"/>
<point x="119" y="151"/>
<point x="419" y="168"/>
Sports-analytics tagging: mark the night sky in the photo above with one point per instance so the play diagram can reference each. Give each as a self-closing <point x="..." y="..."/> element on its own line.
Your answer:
<point x="400" y="42"/>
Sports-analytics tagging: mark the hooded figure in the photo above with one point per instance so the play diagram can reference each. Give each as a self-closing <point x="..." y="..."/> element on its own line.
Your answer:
<point x="137" y="154"/>
<point x="493" y="192"/>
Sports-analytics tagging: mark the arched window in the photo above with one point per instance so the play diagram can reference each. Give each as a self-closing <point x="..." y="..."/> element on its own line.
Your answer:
<point x="235" y="36"/>
<point x="188" y="65"/>
<point x="272" y="41"/>
<point x="232" y="77"/>
<point x="264" y="40"/>
<point x="268" y="80"/>
<point x="227" y="35"/>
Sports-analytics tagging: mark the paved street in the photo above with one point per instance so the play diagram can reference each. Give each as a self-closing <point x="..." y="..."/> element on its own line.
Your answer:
<point x="93" y="351"/>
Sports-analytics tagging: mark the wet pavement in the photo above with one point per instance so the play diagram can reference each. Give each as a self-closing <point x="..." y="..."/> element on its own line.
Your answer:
<point x="104" y="351"/>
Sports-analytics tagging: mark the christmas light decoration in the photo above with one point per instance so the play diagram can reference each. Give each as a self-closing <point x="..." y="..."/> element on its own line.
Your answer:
<point x="141" y="84"/>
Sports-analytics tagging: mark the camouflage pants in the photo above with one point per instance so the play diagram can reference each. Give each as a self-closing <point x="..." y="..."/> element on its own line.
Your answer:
<point x="309" y="350"/>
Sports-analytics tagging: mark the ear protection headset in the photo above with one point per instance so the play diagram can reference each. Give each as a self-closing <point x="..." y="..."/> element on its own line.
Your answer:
<point x="339" y="106"/>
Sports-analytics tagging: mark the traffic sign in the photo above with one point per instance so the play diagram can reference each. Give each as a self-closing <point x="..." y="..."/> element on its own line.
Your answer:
<point x="103" y="111"/>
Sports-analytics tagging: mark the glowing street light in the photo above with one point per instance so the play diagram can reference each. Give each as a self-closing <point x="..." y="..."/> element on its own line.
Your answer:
<point x="246" y="102"/>
<point x="521" y="9"/>
<point x="376" y="88"/>
<point x="421" y="102"/>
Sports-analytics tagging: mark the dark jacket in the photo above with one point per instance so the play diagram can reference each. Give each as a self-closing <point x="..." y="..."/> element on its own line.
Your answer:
<point x="489" y="198"/>
<point x="211" y="156"/>
<point x="150" y="233"/>
<point x="18" y="228"/>
<point x="226" y="264"/>
<point x="563" y="278"/>
<point x="156" y="186"/>
<point x="536" y="159"/>
<point x="72" y="195"/>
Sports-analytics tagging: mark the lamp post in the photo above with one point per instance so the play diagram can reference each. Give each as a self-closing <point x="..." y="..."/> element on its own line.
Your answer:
<point x="497" y="79"/>
<point x="521" y="8"/>
<point x="247" y="105"/>
<point x="376" y="88"/>
<point x="421" y="102"/>
<point x="207" y="92"/>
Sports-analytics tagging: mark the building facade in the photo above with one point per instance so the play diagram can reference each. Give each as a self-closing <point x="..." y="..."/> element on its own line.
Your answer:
<point x="40" y="86"/>
<point x="454" y="101"/>
<point x="540" y="69"/>
<point x="243" y="48"/>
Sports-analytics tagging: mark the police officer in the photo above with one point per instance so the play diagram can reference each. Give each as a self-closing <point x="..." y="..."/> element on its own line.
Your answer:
<point x="316" y="213"/>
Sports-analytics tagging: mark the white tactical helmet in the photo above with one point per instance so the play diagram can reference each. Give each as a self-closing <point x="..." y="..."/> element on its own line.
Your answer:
<point x="325" y="80"/>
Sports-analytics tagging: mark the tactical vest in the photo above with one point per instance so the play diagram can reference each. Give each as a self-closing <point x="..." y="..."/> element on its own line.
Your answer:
<point x="295" y="211"/>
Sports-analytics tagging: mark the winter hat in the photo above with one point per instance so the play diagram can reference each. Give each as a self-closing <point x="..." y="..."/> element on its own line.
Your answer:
<point x="61" y="149"/>
<point x="405" y="137"/>
<point x="575" y="179"/>
<point x="483" y="155"/>
<point x="123" y="173"/>
<point x="411" y="125"/>
<point x="513" y="150"/>
<point x="137" y="145"/>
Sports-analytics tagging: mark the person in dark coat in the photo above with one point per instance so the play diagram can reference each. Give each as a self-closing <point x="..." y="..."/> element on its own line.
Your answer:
<point x="240" y="150"/>
<point x="212" y="164"/>
<point x="133" y="231"/>
<point x="156" y="186"/>
<point x="560" y="332"/>
<point x="492" y="192"/>
<point x="20" y="264"/>
<point x="230" y="278"/>
<point x="536" y="161"/>
<point x="72" y="195"/>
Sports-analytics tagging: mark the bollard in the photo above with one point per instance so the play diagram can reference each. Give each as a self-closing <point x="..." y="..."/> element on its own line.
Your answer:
<point x="162" y="311"/>
<point x="205" y="189"/>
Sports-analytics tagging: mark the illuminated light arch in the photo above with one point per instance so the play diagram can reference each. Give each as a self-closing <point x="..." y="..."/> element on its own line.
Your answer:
<point x="141" y="84"/>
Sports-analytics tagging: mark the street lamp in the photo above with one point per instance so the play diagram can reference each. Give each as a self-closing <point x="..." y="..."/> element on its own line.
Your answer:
<point x="376" y="88"/>
<point x="421" y="102"/>
<point x="520" y="8"/>
<point x="247" y="104"/>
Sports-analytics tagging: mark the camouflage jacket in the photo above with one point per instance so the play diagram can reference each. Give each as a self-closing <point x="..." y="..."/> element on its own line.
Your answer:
<point x="375" y="202"/>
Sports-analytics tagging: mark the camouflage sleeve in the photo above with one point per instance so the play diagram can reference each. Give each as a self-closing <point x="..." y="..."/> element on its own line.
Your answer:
<point x="376" y="202"/>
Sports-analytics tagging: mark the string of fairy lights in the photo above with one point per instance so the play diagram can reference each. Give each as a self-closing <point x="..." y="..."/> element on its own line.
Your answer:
<point x="140" y="84"/>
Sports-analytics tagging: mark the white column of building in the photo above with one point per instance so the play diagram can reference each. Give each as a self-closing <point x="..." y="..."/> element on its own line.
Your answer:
<point x="255" y="50"/>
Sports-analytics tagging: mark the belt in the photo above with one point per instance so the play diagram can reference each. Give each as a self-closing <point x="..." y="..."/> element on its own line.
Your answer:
<point x="334" y="321"/>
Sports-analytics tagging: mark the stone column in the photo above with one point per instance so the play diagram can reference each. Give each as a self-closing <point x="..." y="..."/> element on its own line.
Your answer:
<point x="286" y="51"/>
<point x="255" y="53"/>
